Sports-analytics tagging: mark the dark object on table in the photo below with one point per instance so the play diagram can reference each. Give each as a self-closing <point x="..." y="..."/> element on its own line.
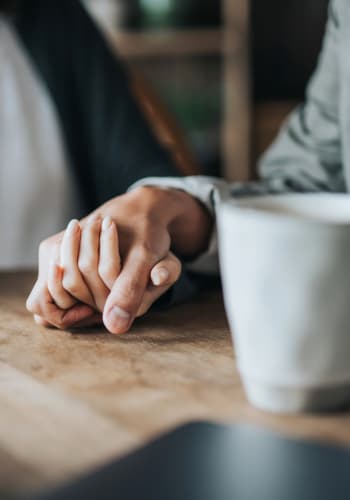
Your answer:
<point x="211" y="462"/>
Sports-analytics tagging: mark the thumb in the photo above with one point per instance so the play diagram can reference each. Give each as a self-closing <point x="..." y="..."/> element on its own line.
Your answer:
<point x="126" y="295"/>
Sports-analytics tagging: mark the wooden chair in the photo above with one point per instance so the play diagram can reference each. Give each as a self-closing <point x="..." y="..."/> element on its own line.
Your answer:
<point x="165" y="126"/>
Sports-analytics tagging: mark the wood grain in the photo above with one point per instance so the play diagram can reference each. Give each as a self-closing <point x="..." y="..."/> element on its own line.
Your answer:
<point x="70" y="401"/>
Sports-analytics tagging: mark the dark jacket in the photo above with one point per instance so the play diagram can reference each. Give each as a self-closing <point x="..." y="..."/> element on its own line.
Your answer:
<point x="109" y="142"/>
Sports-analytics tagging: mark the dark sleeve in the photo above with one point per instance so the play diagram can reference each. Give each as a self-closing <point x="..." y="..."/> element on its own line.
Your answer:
<point x="110" y="142"/>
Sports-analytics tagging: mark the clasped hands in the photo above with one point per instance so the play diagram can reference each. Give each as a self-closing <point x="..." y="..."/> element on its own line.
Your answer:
<point x="112" y="266"/>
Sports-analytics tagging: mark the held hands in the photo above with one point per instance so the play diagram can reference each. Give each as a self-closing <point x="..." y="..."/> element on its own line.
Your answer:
<point x="112" y="266"/>
<point x="82" y="270"/>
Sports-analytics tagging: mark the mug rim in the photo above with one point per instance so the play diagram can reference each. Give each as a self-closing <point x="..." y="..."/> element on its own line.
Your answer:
<point x="249" y="206"/>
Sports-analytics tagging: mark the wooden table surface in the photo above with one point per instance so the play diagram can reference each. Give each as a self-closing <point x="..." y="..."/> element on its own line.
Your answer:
<point x="70" y="401"/>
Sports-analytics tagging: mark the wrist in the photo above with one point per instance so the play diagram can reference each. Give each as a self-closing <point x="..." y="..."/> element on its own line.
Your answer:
<point x="191" y="228"/>
<point x="188" y="221"/>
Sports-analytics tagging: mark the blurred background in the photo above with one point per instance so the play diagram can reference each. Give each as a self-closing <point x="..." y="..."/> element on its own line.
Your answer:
<point x="227" y="71"/>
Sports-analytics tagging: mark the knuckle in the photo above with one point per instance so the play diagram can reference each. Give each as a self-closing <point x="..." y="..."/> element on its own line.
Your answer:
<point x="86" y="265"/>
<point x="145" y="253"/>
<point x="106" y="273"/>
<point x="71" y="284"/>
<point x="127" y="297"/>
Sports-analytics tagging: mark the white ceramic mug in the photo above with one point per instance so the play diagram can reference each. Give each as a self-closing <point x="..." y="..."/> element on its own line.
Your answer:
<point x="285" y="264"/>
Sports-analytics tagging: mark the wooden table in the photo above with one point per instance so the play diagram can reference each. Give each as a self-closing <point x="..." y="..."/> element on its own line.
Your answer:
<point x="70" y="401"/>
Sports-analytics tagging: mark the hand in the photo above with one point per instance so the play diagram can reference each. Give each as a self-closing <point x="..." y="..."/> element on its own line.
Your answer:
<point x="91" y="264"/>
<point x="88" y="264"/>
<point x="91" y="256"/>
<point x="146" y="219"/>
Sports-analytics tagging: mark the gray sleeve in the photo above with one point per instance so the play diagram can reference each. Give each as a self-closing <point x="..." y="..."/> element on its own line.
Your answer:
<point x="306" y="156"/>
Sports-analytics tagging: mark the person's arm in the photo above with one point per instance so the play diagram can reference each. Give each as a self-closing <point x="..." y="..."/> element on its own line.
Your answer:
<point x="109" y="141"/>
<point x="144" y="219"/>
<point x="305" y="157"/>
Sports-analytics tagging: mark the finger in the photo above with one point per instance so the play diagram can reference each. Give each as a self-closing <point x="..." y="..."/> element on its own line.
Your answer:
<point x="89" y="261"/>
<point x="42" y="305"/>
<point x="64" y="320"/>
<point x="59" y="295"/>
<point x="109" y="264"/>
<point x="94" y="320"/>
<point x="72" y="280"/>
<point x="167" y="271"/>
<point x="126" y="295"/>
<point x="163" y="276"/>
<point x="40" y="321"/>
<point x="33" y="303"/>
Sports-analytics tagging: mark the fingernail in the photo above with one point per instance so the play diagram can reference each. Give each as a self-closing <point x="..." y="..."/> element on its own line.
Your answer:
<point x="119" y="318"/>
<point x="107" y="222"/>
<point x="74" y="223"/>
<point x="160" y="276"/>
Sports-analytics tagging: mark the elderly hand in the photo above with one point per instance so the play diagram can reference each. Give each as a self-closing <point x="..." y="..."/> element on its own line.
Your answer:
<point x="83" y="278"/>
